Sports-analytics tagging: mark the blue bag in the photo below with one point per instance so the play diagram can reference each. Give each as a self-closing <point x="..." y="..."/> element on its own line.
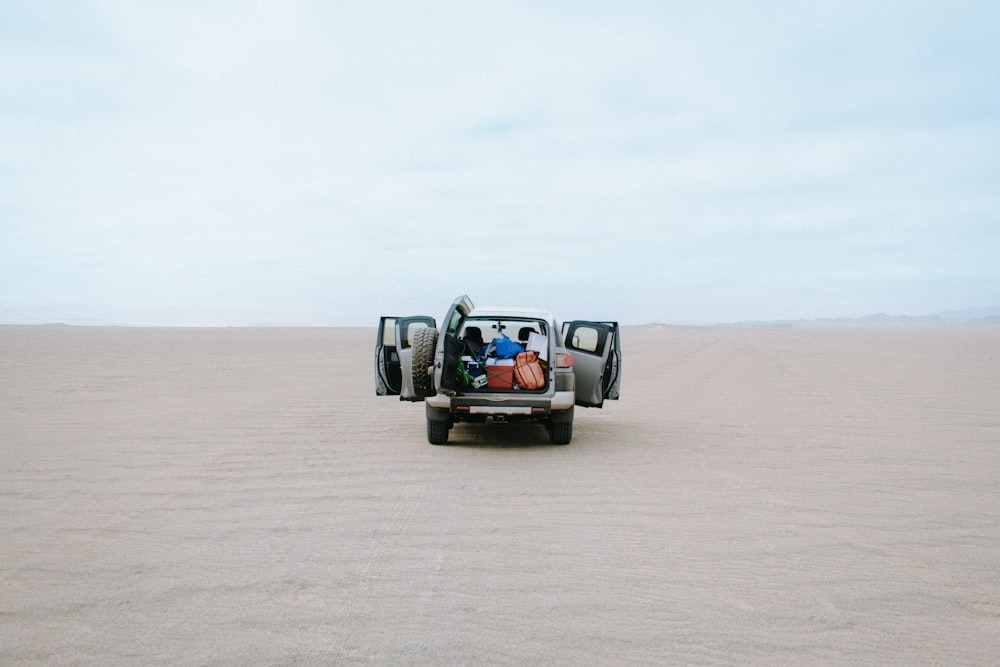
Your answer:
<point x="506" y="348"/>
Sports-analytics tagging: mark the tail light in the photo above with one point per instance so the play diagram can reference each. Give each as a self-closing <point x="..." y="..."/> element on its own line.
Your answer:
<point x="564" y="360"/>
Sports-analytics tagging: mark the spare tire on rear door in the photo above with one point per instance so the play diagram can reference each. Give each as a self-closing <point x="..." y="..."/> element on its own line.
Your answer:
<point x="421" y="359"/>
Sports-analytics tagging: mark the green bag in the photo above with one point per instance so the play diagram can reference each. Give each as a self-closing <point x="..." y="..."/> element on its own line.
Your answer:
<point x="464" y="379"/>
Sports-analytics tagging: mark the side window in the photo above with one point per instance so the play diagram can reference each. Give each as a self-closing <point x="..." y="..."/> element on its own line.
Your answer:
<point x="456" y="319"/>
<point x="585" y="339"/>
<point x="389" y="332"/>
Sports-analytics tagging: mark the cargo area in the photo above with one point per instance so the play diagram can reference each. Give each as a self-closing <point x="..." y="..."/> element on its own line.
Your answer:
<point x="503" y="355"/>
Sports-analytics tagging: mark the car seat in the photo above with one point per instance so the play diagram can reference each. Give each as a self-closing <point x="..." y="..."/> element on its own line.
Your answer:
<point x="473" y="340"/>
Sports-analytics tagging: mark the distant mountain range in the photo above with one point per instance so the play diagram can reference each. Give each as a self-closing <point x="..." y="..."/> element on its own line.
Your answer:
<point x="967" y="316"/>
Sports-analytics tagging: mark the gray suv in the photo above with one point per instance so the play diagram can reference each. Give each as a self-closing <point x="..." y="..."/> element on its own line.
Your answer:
<point x="460" y="378"/>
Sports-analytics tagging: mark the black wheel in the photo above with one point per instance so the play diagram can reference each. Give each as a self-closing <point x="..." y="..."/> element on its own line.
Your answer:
<point x="422" y="358"/>
<point x="437" y="432"/>
<point x="561" y="434"/>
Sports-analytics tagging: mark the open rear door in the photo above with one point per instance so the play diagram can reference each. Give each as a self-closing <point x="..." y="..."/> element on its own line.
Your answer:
<point x="392" y="354"/>
<point x="446" y="376"/>
<point x="597" y="360"/>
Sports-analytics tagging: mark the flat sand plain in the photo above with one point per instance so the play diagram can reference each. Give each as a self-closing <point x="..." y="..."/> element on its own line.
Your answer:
<point x="758" y="496"/>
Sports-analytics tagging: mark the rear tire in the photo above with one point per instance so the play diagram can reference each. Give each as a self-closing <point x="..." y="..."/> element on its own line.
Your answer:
<point x="437" y="432"/>
<point x="561" y="434"/>
<point x="422" y="358"/>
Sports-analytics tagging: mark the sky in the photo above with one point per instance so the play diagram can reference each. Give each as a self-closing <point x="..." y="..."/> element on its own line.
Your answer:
<point x="325" y="163"/>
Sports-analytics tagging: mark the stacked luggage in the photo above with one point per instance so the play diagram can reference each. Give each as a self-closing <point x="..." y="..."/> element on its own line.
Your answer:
<point x="504" y="364"/>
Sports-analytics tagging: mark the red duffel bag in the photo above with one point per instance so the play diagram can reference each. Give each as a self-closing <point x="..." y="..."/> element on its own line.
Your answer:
<point x="528" y="371"/>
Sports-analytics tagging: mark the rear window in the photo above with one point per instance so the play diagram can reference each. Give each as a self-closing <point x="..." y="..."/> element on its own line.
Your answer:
<point x="516" y="330"/>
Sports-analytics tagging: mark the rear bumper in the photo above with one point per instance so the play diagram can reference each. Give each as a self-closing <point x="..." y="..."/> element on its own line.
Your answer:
<point x="503" y="404"/>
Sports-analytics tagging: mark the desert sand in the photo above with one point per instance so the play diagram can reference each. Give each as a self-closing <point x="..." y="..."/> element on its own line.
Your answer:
<point x="757" y="497"/>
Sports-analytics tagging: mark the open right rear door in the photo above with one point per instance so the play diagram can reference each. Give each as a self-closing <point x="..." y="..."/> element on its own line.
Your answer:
<point x="597" y="360"/>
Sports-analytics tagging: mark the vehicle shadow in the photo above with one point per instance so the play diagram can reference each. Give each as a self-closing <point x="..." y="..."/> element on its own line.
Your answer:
<point x="499" y="436"/>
